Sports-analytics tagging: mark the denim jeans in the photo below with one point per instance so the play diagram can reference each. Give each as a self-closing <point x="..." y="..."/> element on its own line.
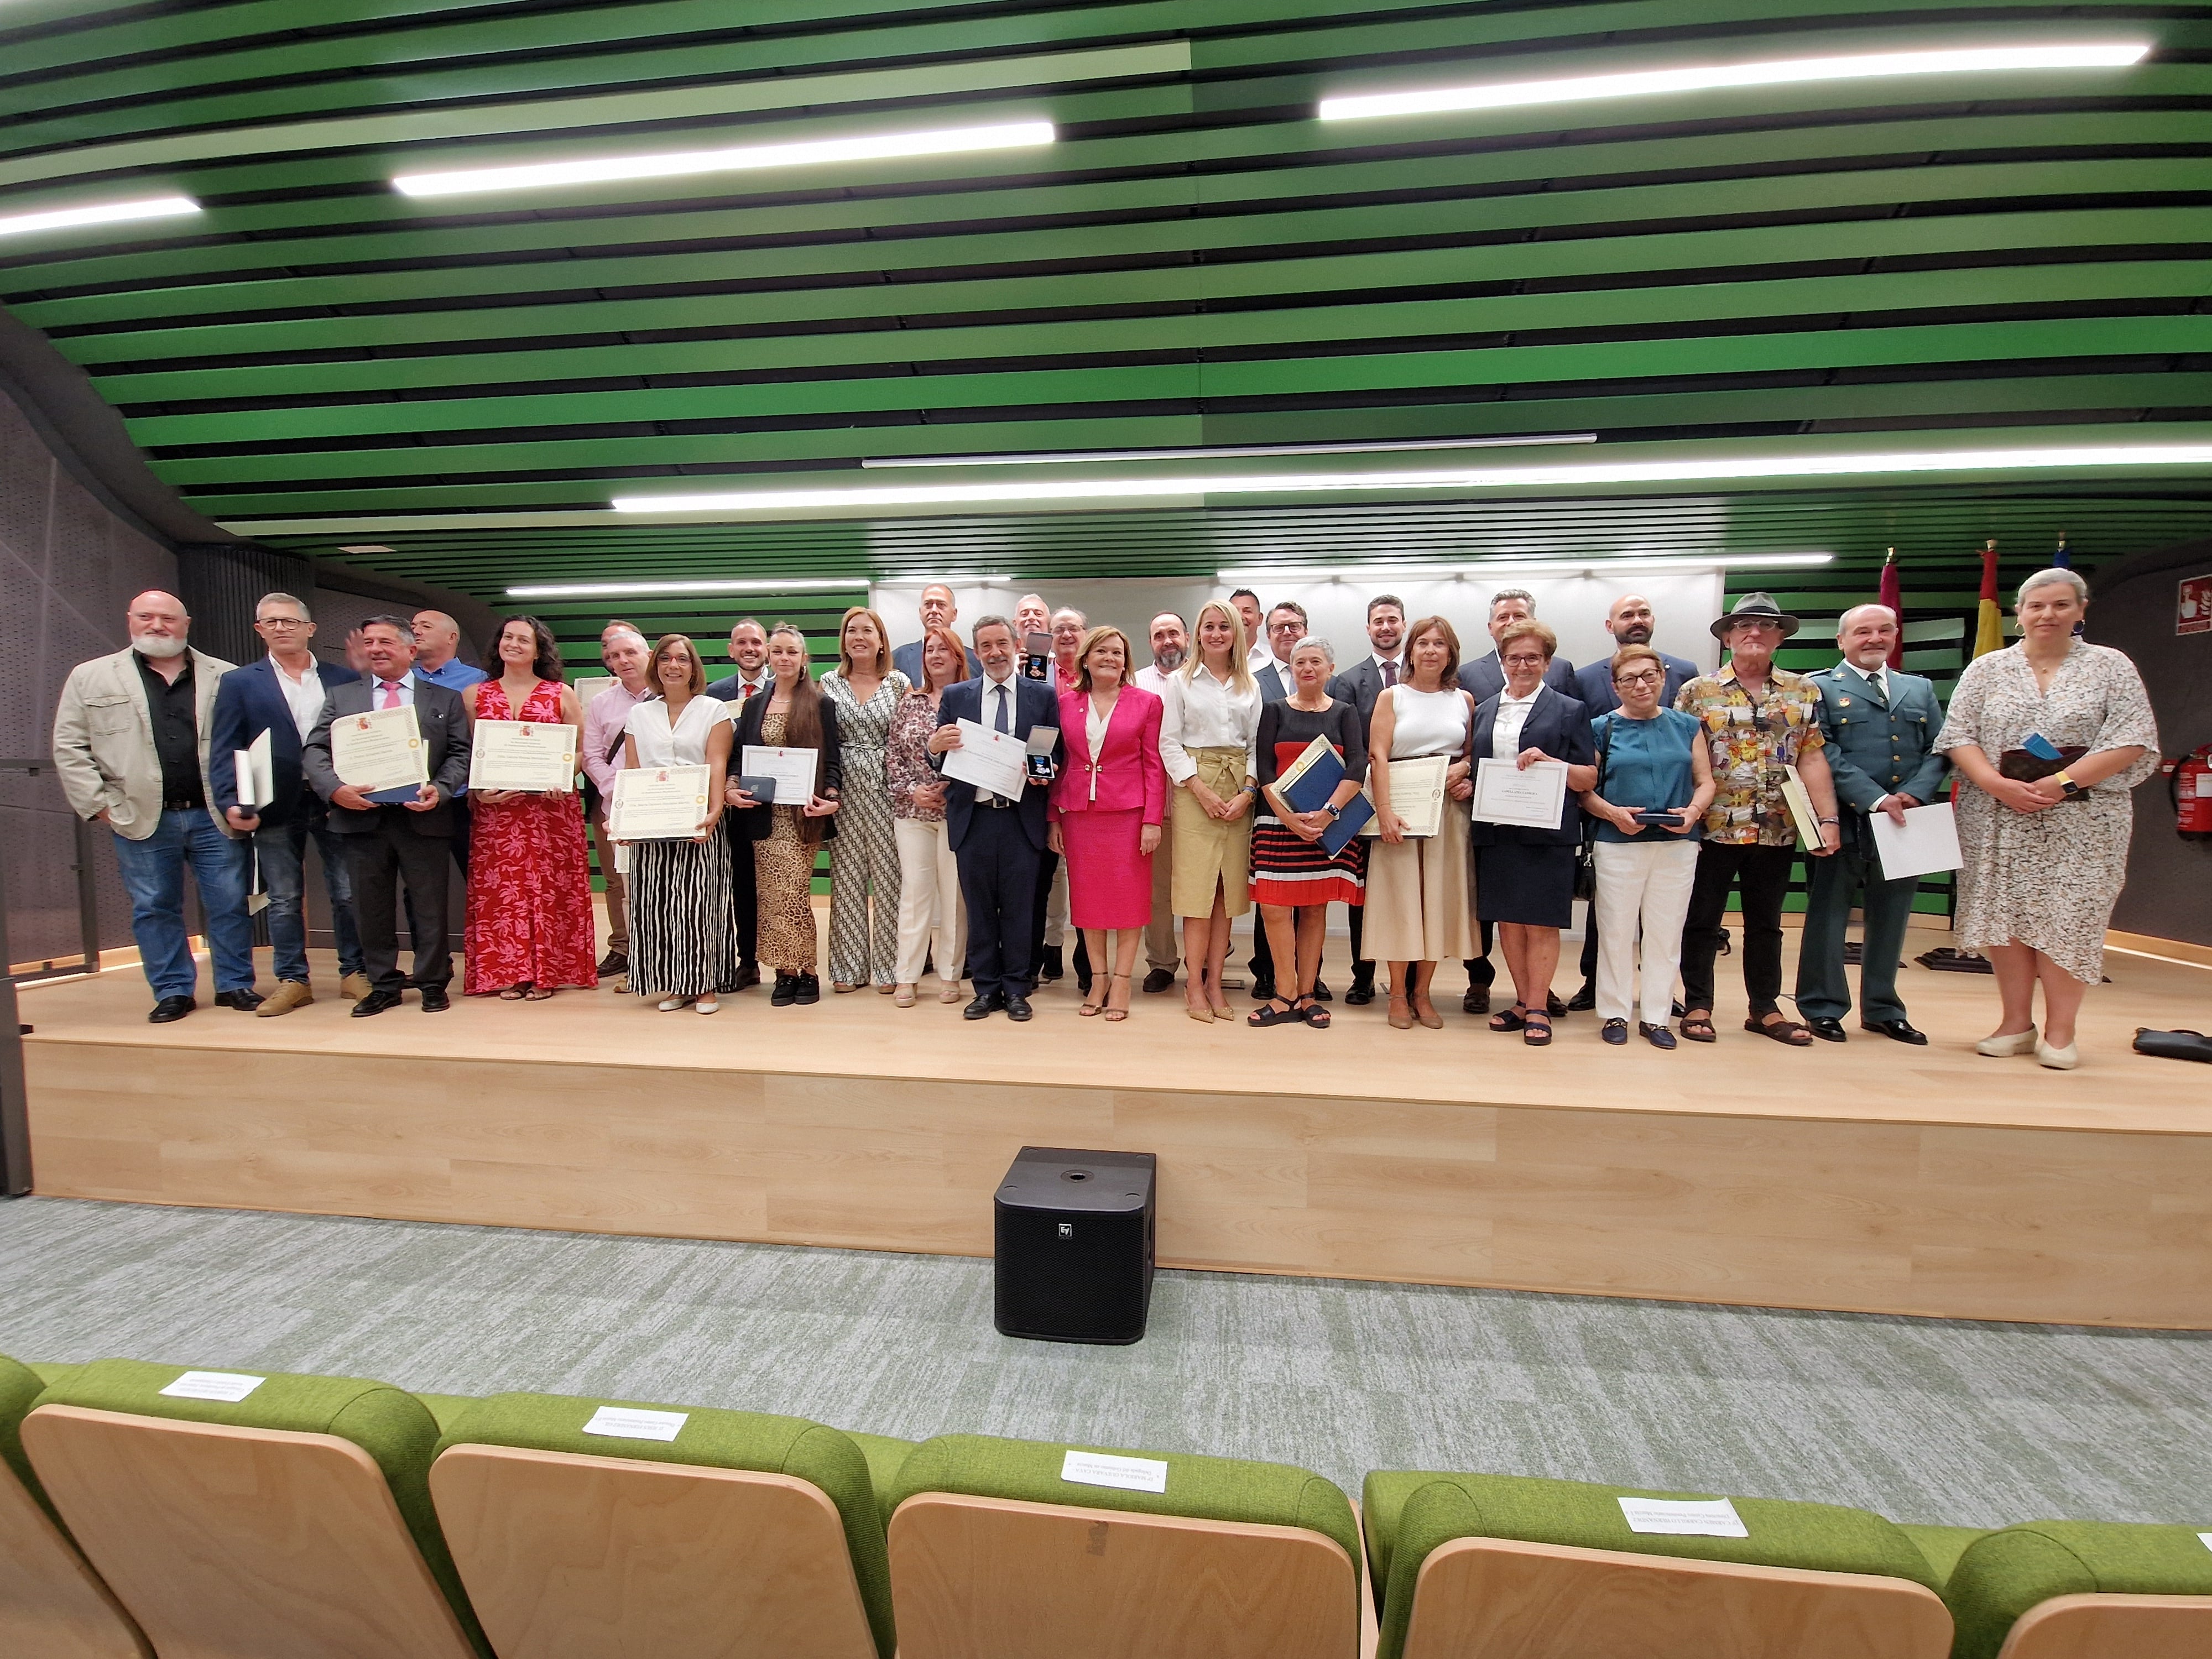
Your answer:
<point x="154" y="876"/>
<point x="282" y="849"/>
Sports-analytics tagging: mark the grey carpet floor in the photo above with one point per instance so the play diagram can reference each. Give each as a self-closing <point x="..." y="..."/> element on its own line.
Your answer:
<point x="1921" y="1419"/>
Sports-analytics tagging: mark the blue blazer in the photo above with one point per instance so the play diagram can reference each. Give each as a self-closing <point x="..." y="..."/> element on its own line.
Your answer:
<point x="248" y="701"/>
<point x="1485" y="677"/>
<point x="1593" y="684"/>
<point x="1034" y="705"/>
<point x="1560" y="727"/>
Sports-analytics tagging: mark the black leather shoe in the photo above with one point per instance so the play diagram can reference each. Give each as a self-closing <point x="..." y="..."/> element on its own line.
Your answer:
<point x="1263" y="990"/>
<point x="1055" y="964"/>
<point x="375" y="1003"/>
<point x="1584" y="1000"/>
<point x="1657" y="1035"/>
<point x="1159" y="980"/>
<point x="1018" y="1008"/>
<point x="1828" y="1030"/>
<point x="435" y="999"/>
<point x="613" y="963"/>
<point x="748" y="977"/>
<point x="1896" y="1031"/>
<point x="170" y="1008"/>
<point x="809" y="989"/>
<point x="245" y="1001"/>
<point x="787" y="990"/>
<point x="1555" y="1008"/>
<point x="1320" y="991"/>
<point x="1476" y="1001"/>
<point x="983" y="1006"/>
<point x="1614" y="1031"/>
<point x="1361" y="994"/>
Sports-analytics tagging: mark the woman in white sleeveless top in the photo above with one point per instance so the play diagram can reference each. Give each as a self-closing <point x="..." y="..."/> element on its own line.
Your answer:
<point x="1420" y="899"/>
<point x="682" y="937"/>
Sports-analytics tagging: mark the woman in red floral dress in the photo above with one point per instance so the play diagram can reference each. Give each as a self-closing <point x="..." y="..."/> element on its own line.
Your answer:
<point x="530" y="924"/>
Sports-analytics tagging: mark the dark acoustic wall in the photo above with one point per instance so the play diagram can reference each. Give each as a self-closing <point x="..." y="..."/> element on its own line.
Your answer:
<point x="2169" y="892"/>
<point x="69" y="566"/>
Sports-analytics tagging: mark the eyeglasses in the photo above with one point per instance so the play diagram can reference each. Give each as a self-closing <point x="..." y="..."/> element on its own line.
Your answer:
<point x="1637" y="679"/>
<point x="280" y="621"/>
<point x="1523" y="661"/>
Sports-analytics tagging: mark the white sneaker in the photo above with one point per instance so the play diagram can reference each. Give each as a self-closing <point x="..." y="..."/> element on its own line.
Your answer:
<point x="2058" y="1060"/>
<point x="2006" y="1048"/>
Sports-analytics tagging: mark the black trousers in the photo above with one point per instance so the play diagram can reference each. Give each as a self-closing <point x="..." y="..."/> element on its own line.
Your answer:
<point x="745" y="896"/>
<point x="1363" y="971"/>
<point x="1481" y="970"/>
<point x="1048" y="867"/>
<point x="1763" y="875"/>
<point x="998" y="878"/>
<point x="380" y="861"/>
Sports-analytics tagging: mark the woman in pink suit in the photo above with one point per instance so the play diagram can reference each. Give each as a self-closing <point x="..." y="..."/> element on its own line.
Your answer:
<point x="1106" y="807"/>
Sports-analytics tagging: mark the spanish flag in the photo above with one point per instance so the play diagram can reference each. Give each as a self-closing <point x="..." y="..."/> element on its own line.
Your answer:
<point x="1989" y="631"/>
<point x="1892" y="596"/>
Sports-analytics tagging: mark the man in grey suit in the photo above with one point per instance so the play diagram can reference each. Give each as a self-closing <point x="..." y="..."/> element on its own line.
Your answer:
<point x="1286" y="626"/>
<point x="1362" y="685"/>
<point x="1881" y="725"/>
<point x="388" y="842"/>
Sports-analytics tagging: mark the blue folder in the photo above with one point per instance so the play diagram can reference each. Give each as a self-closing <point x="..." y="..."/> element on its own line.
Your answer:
<point x="1311" y="793"/>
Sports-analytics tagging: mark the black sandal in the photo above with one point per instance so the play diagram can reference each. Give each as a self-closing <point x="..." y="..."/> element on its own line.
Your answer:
<point x="1268" y="1014"/>
<point x="1536" y="1029"/>
<point x="1783" y="1030"/>
<point x="1699" y="1028"/>
<point x="1512" y="1019"/>
<point x="1312" y="1012"/>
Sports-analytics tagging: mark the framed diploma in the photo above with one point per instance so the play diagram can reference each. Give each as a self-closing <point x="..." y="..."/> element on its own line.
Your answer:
<point x="658" y="803"/>
<point x="1417" y="794"/>
<point x="532" y="755"/>
<point x="792" y="769"/>
<point x="1533" y="797"/>
<point x="380" y="749"/>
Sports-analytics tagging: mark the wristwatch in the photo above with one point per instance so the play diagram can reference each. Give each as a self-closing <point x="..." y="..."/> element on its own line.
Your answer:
<point x="1334" y="811"/>
<point x="2066" y="783"/>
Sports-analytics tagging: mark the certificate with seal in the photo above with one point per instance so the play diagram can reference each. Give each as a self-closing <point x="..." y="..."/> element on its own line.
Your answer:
<point x="380" y="749"/>
<point x="1534" y="796"/>
<point x="792" y="769"/>
<point x="1417" y="794"/>
<point x="658" y="803"/>
<point x="536" y="756"/>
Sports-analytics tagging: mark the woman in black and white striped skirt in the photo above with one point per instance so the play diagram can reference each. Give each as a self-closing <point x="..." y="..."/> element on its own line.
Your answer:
<point x="683" y="941"/>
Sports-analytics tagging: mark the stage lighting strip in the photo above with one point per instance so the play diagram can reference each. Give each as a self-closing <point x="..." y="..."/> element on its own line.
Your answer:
<point x="1516" y="94"/>
<point x="1623" y="472"/>
<point x="106" y="213"/>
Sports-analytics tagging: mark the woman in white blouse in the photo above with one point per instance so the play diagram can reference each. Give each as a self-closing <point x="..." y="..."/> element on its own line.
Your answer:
<point x="1206" y="734"/>
<point x="682" y="944"/>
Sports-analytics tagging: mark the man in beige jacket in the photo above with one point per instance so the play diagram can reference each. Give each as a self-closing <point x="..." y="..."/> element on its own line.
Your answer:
<point x="131" y="743"/>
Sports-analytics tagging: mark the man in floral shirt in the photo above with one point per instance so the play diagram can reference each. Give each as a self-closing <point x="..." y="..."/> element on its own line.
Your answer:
<point x="1758" y="719"/>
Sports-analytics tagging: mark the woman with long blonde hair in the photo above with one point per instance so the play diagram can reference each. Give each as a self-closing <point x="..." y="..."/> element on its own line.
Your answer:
<point x="1207" y="731"/>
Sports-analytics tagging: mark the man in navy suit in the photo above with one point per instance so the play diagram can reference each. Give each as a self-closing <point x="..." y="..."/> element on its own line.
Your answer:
<point x="1286" y="626"/>
<point x="1485" y="678"/>
<point x="282" y="694"/>
<point x="1362" y="685"/>
<point x="1630" y="620"/>
<point x="938" y="610"/>
<point x="999" y="844"/>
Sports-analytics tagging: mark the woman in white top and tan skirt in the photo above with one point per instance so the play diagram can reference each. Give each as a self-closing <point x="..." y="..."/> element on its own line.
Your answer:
<point x="1420" y="901"/>
<point x="683" y="941"/>
<point x="1207" y="730"/>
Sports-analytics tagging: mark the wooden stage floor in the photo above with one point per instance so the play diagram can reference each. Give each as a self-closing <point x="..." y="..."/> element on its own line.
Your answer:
<point x="1866" y="1176"/>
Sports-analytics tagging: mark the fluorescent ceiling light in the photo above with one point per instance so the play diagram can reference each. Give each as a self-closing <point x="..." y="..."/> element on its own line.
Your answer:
<point x="1620" y="472"/>
<point x="1507" y="563"/>
<point x="881" y="146"/>
<point x="1226" y="451"/>
<point x="366" y="547"/>
<point x="1511" y="94"/>
<point x="106" y="213"/>
<point x="640" y="590"/>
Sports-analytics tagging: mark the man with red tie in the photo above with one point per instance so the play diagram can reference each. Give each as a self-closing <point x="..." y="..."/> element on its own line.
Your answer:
<point x="748" y="651"/>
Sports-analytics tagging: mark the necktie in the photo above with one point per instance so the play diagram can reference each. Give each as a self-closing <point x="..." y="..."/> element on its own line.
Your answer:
<point x="999" y="720"/>
<point x="747" y="695"/>
<point x="390" y="694"/>
<point x="1389" y="674"/>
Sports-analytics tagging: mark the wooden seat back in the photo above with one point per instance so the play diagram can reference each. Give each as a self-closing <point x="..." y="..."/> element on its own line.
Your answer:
<point x="2106" y="1626"/>
<point x="1497" y="1598"/>
<point x="568" y="1556"/>
<point x="996" y="1578"/>
<point x="52" y="1603"/>
<point x="226" y="1542"/>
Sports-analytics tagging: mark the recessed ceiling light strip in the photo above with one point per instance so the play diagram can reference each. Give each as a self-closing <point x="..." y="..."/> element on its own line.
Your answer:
<point x="104" y="213"/>
<point x="646" y="590"/>
<point x="1709" y="77"/>
<point x="1225" y="451"/>
<point x="1509" y="564"/>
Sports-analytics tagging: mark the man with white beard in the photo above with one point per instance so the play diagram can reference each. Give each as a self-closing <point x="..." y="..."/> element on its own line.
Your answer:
<point x="131" y="743"/>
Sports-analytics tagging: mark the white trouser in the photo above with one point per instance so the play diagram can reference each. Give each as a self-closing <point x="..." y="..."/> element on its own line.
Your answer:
<point x="1648" y="881"/>
<point x="931" y="919"/>
<point x="1055" y="909"/>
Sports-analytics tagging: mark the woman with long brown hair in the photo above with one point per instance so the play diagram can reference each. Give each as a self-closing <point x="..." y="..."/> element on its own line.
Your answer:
<point x="864" y="865"/>
<point x="931" y="919"/>
<point x="792" y="715"/>
<point x="529" y="927"/>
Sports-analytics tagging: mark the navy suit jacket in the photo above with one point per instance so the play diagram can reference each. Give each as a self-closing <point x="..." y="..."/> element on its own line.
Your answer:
<point x="1033" y="705"/>
<point x="1361" y="685"/>
<point x="249" y="700"/>
<point x="441" y="714"/>
<point x="1485" y="678"/>
<point x="1593" y="684"/>
<point x="1560" y="727"/>
<point x="1274" y="687"/>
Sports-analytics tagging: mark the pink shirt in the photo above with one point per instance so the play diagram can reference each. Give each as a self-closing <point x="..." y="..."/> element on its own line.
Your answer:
<point x="604" y="720"/>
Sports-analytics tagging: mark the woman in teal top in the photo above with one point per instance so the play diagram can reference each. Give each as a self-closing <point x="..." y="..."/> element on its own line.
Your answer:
<point x="1652" y="761"/>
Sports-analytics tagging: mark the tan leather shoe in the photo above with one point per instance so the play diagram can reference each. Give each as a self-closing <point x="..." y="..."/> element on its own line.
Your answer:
<point x="290" y="994"/>
<point x="353" y="986"/>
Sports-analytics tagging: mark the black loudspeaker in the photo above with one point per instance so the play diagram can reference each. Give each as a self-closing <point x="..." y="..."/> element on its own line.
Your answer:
<point x="1075" y="1245"/>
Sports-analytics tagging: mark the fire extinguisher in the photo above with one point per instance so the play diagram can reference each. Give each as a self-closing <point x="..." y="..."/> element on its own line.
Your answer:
<point x="2189" y="785"/>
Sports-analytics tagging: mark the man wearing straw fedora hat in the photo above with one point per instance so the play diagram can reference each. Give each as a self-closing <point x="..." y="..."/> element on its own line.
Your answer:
<point x="1759" y="722"/>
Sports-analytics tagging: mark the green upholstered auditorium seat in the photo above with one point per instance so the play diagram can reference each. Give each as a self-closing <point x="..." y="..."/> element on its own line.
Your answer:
<point x="239" y="1518"/>
<point x="583" y="1534"/>
<point x="1941" y="1547"/>
<point x="52" y="1603"/>
<point x="1481" y="1566"/>
<point x="996" y="1555"/>
<point x="2084" y="1589"/>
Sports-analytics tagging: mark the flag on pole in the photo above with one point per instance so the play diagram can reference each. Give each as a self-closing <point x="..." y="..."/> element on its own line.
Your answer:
<point x="2062" y="560"/>
<point x="1892" y="596"/>
<point x="1989" y="631"/>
